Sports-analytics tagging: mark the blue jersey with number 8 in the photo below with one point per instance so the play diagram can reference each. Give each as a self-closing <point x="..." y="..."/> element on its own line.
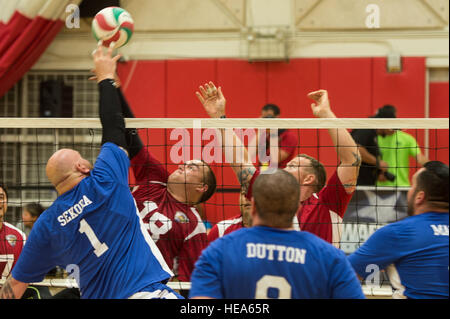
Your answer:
<point x="94" y="232"/>
<point x="262" y="262"/>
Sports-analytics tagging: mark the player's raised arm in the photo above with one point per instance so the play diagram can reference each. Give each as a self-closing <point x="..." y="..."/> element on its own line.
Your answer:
<point x="350" y="158"/>
<point x="214" y="103"/>
<point x="110" y="110"/>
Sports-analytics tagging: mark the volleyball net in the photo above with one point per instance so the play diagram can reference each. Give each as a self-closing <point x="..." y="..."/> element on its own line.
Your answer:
<point x="27" y="144"/>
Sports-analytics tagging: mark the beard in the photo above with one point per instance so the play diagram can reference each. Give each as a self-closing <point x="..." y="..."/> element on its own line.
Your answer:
<point x="410" y="208"/>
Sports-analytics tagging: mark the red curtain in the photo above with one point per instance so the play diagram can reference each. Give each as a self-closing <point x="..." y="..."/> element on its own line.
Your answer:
<point x="25" y="35"/>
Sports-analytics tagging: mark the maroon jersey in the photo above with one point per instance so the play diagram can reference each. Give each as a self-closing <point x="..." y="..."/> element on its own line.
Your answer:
<point x="225" y="227"/>
<point x="322" y="213"/>
<point x="11" y="243"/>
<point x="176" y="228"/>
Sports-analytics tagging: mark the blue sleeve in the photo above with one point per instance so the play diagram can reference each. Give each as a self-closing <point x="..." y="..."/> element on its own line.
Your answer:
<point x="381" y="249"/>
<point x="112" y="164"/>
<point x="205" y="279"/>
<point x="343" y="280"/>
<point x="35" y="260"/>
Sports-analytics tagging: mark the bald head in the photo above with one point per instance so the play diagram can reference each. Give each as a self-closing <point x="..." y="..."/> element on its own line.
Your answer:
<point x="65" y="167"/>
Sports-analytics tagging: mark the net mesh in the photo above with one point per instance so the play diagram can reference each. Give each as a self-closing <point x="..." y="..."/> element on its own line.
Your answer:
<point x="25" y="151"/>
<point x="27" y="142"/>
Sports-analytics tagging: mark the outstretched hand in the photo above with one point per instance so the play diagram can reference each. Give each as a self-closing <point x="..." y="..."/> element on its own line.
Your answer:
<point x="212" y="99"/>
<point x="104" y="64"/>
<point x="322" y="107"/>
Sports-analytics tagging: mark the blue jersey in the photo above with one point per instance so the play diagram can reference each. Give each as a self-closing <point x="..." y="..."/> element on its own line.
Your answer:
<point x="414" y="252"/>
<point x="95" y="231"/>
<point x="262" y="262"/>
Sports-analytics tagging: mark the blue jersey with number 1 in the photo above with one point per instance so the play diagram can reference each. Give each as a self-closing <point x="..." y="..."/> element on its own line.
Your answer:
<point x="94" y="232"/>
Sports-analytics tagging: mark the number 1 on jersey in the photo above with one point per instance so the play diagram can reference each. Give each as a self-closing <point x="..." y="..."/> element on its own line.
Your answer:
<point x="99" y="248"/>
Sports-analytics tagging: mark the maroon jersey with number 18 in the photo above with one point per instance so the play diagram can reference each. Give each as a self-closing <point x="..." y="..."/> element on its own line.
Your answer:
<point x="176" y="227"/>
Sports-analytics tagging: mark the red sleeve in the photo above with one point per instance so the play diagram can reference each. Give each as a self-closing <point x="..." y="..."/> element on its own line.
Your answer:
<point x="147" y="168"/>
<point x="288" y="141"/>
<point x="334" y="195"/>
<point x="189" y="254"/>
<point x="249" y="193"/>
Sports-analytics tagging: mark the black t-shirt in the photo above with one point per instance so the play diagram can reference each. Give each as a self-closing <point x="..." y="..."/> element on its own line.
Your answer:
<point x="367" y="138"/>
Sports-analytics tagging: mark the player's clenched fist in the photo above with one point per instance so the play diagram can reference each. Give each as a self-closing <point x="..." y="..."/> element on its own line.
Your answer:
<point x="321" y="107"/>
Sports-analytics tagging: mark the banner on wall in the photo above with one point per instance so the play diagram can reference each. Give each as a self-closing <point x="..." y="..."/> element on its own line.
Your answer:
<point x="370" y="209"/>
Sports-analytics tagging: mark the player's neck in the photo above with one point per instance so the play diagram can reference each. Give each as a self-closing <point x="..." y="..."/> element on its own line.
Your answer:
<point x="69" y="184"/>
<point x="428" y="208"/>
<point x="180" y="194"/>
<point x="305" y="193"/>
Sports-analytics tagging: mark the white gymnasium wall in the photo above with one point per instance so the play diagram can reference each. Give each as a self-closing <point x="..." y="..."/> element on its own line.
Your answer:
<point x="221" y="28"/>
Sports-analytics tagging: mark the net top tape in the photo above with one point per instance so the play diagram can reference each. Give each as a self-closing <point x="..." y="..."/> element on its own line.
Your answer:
<point x="291" y="123"/>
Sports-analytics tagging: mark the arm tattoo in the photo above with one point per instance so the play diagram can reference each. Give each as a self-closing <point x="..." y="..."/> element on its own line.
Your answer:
<point x="7" y="292"/>
<point x="244" y="176"/>
<point x="357" y="161"/>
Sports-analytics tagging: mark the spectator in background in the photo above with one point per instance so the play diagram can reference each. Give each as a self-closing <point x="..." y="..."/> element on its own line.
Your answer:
<point x="414" y="251"/>
<point x="287" y="140"/>
<point x="244" y="219"/>
<point x="30" y="214"/>
<point x="371" y="163"/>
<point x="397" y="148"/>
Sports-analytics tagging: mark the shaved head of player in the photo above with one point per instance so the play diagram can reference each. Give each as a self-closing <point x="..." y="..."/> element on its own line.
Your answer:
<point x="275" y="200"/>
<point x="66" y="168"/>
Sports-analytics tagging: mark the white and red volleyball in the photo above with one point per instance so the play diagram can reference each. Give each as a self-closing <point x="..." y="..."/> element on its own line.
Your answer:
<point x="113" y="24"/>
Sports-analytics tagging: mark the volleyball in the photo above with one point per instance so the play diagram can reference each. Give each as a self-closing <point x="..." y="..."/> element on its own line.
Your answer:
<point x="113" y="24"/>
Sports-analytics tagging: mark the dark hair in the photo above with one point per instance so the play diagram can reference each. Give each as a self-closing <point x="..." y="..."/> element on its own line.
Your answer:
<point x="387" y="111"/>
<point x="5" y="190"/>
<point x="434" y="182"/>
<point x="35" y="209"/>
<point x="272" y="107"/>
<point x="319" y="172"/>
<point x="276" y="197"/>
<point x="209" y="179"/>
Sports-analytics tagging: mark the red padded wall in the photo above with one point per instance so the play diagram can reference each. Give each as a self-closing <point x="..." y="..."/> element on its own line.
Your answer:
<point x="439" y="139"/>
<point x="288" y="86"/>
<point x="348" y="82"/>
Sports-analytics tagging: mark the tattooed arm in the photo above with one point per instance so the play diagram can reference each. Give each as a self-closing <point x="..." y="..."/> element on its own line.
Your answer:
<point x="12" y="289"/>
<point x="236" y="154"/>
<point x="346" y="147"/>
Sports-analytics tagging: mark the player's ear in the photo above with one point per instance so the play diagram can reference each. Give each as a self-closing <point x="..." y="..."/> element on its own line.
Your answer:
<point x="202" y="189"/>
<point x="420" y="198"/>
<point x="309" y="179"/>
<point x="82" y="167"/>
